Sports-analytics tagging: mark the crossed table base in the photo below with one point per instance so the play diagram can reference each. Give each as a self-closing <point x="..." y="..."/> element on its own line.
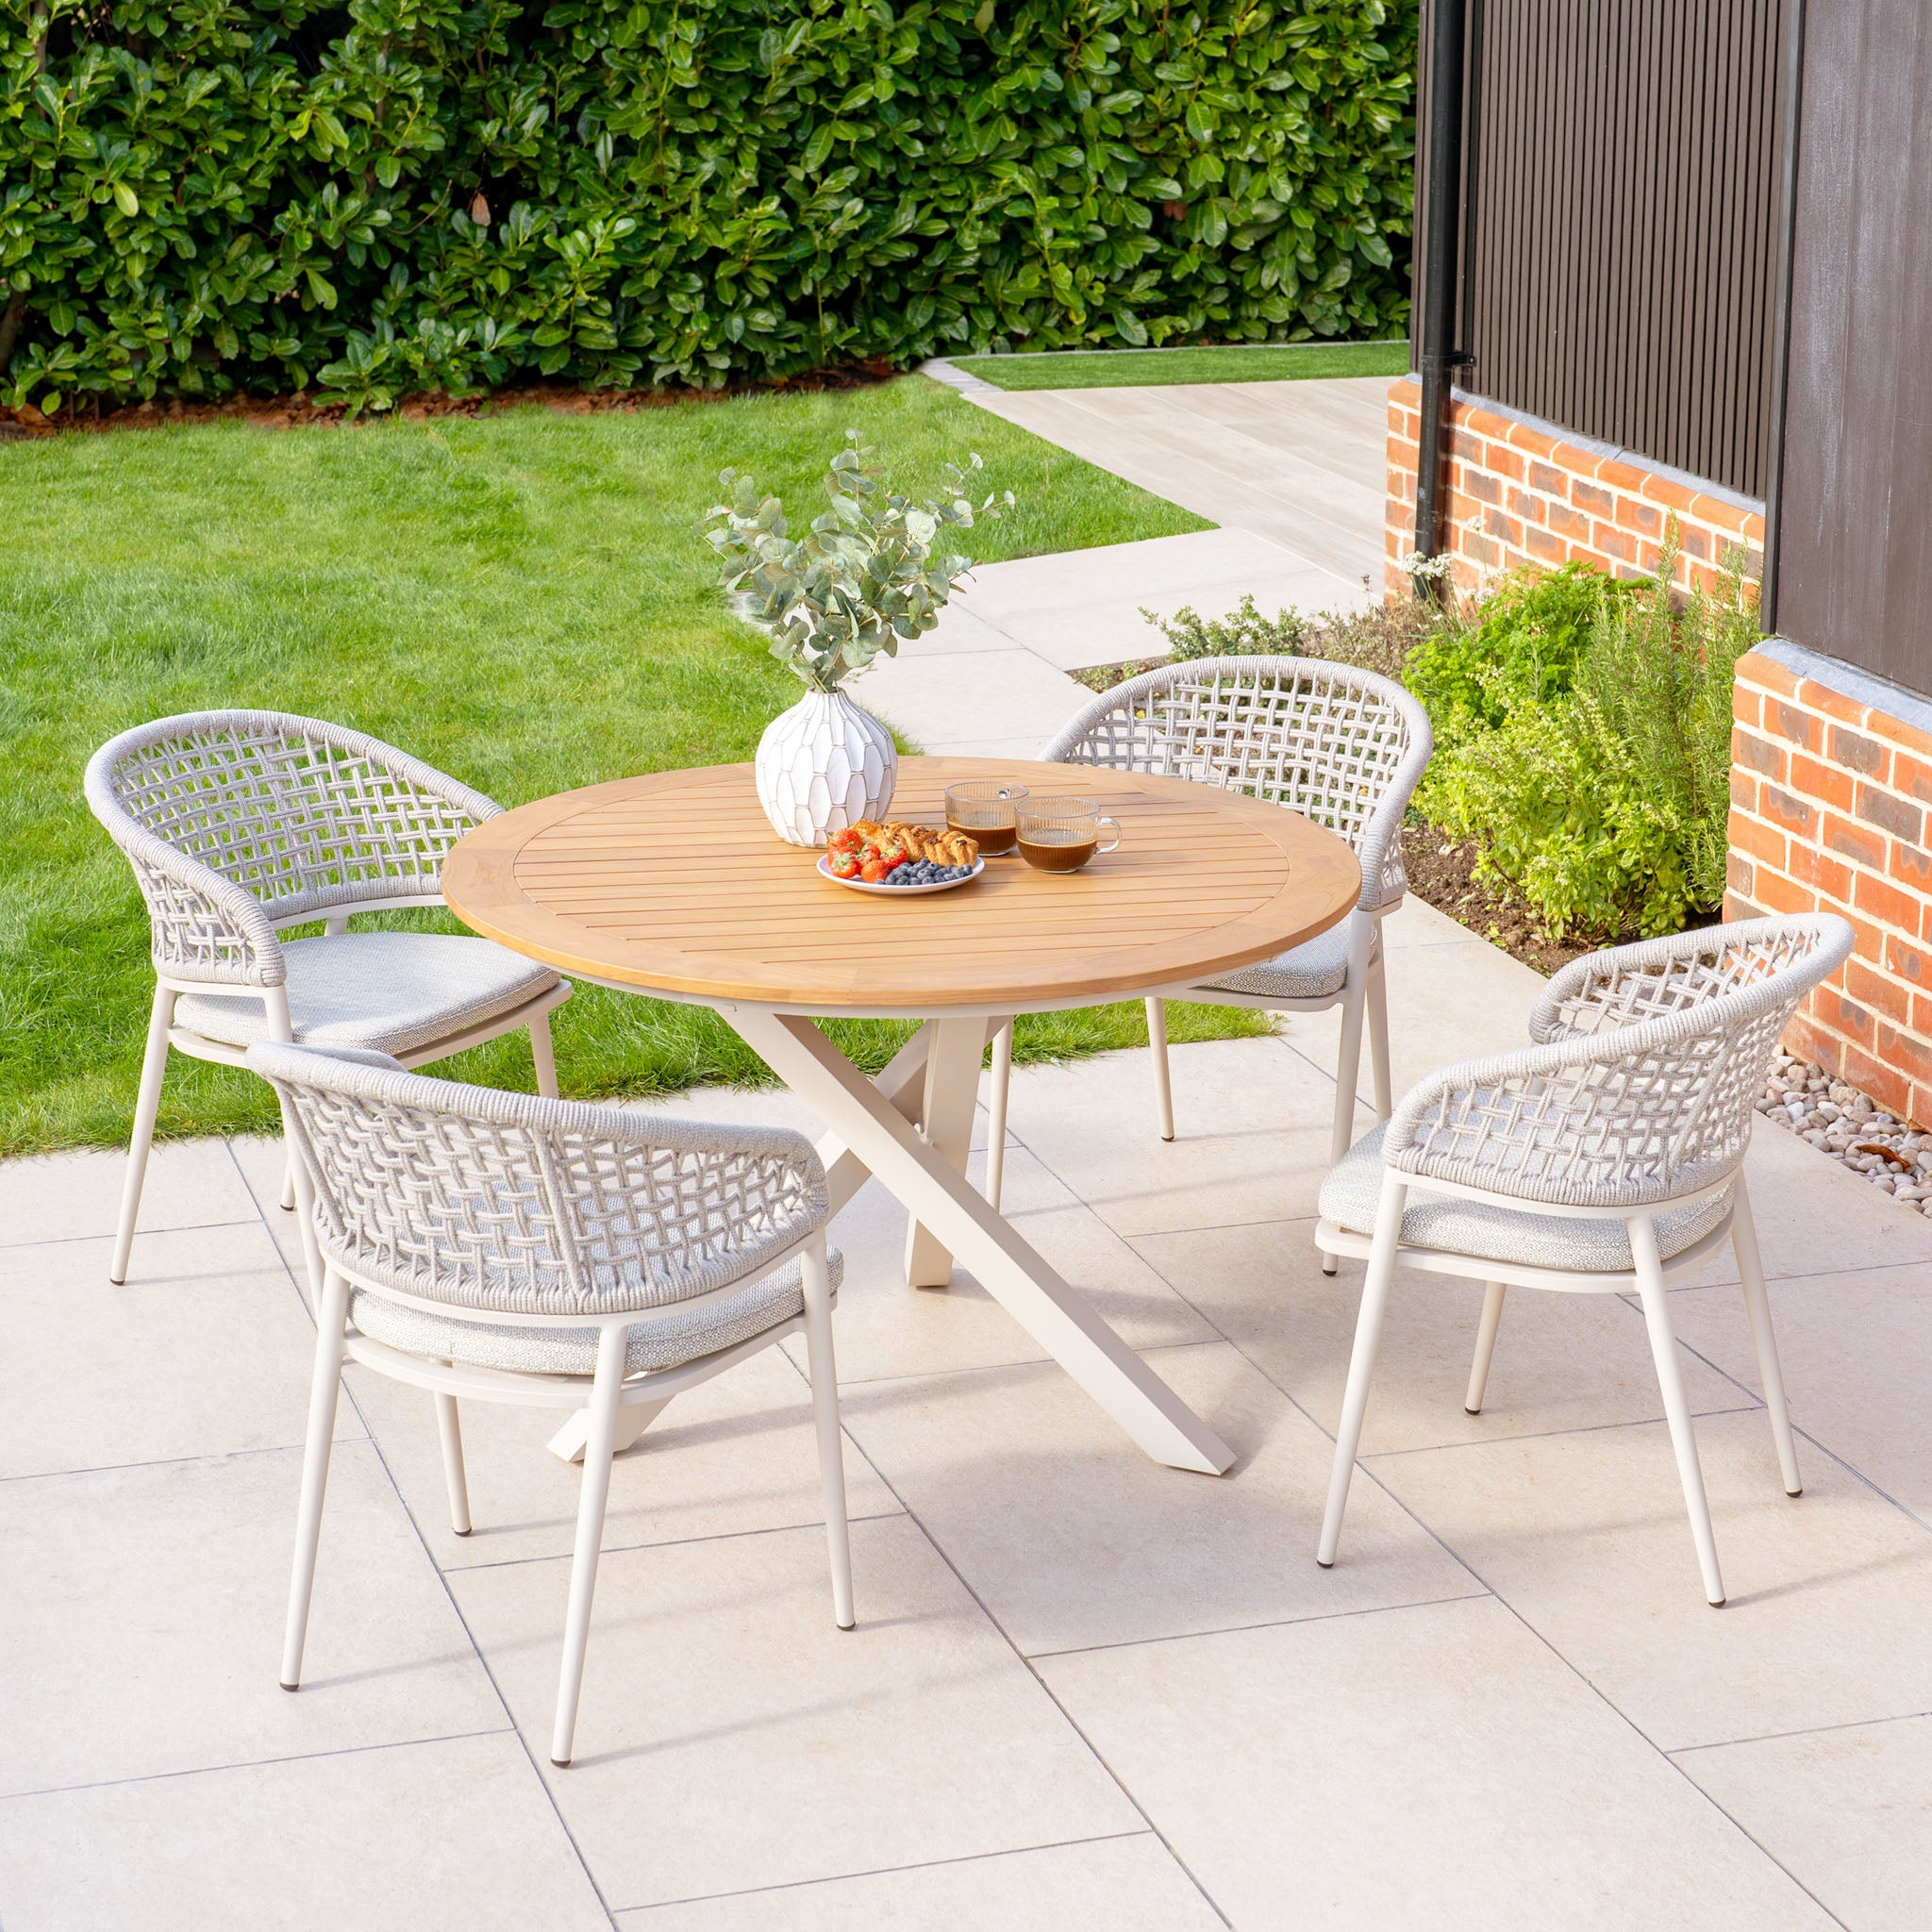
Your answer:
<point x="912" y="1127"/>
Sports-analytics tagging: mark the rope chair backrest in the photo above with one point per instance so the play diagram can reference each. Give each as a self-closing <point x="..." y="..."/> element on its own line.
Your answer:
<point x="519" y="1205"/>
<point x="221" y="811"/>
<point x="1342" y="746"/>
<point x="1642" y="1085"/>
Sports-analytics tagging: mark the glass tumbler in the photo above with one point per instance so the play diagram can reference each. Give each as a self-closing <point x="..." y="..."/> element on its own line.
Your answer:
<point x="983" y="809"/>
<point x="1062" y="833"/>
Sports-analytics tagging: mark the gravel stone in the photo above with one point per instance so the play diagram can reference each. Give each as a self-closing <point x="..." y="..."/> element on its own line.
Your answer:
<point x="1842" y="1121"/>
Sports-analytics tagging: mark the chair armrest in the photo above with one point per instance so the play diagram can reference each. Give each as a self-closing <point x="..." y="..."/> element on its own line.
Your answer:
<point x="200" y="925"/>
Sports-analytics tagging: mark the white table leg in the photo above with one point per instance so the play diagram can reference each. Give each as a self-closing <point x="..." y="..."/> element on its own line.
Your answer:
<point x="952" y="1092"/>
<point x="868" y="1125"/>
<point x="632" y="1421"/>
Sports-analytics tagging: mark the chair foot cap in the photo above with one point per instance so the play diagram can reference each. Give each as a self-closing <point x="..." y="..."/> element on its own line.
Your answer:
<point x="852" y="1625"/>
<point x="455" y="1531"/>
<point x="1324" y="1563"/>
<point x="561" y="1763"/>
<point x="119" y="1281"/>
<point x="1467" y="1410"/>
<point x="1169" y="1138"/>
<point x="1717" y="1603"/>
<point x="1798" y="1491"/>
<point x="292" y="1687"/>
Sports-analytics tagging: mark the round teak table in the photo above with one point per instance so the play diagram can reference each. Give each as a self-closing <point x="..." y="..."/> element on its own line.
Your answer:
<point x="674" y="885"/>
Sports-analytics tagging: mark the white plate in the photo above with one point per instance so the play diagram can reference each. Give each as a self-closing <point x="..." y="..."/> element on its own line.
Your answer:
<point x="900" y="891"/>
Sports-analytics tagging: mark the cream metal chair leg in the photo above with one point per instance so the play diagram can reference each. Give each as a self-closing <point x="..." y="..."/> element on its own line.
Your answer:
<point x="324" y="1392"/>
<point x="824" y="1408"/>
<point x="606" y="1395"/>
<point x="1163" y="1083"/>
<point x="1485" y="1346"/>
<point x="1670" y="1378"/>
<point x="1751" y="1273"/>
<point x="1348" y="1065"/>
<point x="543" y="1054"/>
<point x="1361" y="1364"/>
<point x="1000" y="1091"/>
<point x="154" y="1068"/>
<point x="1378" y="1039"/>
<point x="449" y="1427"/>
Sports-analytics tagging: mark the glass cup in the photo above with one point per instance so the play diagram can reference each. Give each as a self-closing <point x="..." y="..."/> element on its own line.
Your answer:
<point x="983" y="809"/>
<point x="1061" y="834"/>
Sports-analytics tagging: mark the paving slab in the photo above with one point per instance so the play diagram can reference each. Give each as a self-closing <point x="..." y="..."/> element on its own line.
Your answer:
<point x="1421" y="1770"/>
<point x="454" y="1832"/>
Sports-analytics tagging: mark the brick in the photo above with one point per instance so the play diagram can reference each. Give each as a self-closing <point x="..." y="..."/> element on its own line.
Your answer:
<point x="1820" y="872"/>
<point x="1482" y="552"/>
<point x="1912" y="866"/>
<point x="1812" y="778"/>
<point x="1670" y="495"/>
<point x="1531" y="442"/>
<point x="1614" y="474"/>
<point x="1551" y="481"/>
<point x="1743" y="790"/>
<point x="1739" y="875"/>
<point x="1756" y="840"/>
<point x="1844" y="1016"/>
<point x="1721" y="515"/>
<point x="1612" y="542"/>
<point x="1882" y="900"/>
<point x="1912" y="777"/>
<point x="1530" y="508"/>
<point x="1767" y="673"/>
<point x="1891" y="1090"/>
<point x="1776" y="893"/>
<point x="1907" y="737"/>
<point x="1858" y="752"/>
<point x="1504" y="462"/>
<point x="1568" y="523"/>
<point x="1821" y="697"/>
<point x="1695" y="542"/>
<point x="1902" y="1052"/>
<point x="1781" y="808"/>
<point x="1593" y="497"/>
<point x="1902" y="819"/>
<point x="1757" y="755"/>
<point x="1544" y="547"/>
<point x="1633" y="513"/>
<point x="1858" y="844"/>
<point x="1504" y="529"/>
<point x="1483" y="487"/>
<point x="1747" y="706"/>
<point x="1884" y="997"/>
<point x="1794" y="724"/>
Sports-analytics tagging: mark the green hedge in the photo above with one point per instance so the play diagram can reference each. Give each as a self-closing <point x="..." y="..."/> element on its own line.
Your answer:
<point x="199" y="197"/>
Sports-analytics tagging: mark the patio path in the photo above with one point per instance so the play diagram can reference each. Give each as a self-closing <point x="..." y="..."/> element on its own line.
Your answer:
<point x="1084" y="1689"/>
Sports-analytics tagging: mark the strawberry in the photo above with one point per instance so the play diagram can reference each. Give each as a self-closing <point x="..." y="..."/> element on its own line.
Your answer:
<point x="844" y="865"/>
<point x="850" y="840"/>
<point x="874" y="870"/>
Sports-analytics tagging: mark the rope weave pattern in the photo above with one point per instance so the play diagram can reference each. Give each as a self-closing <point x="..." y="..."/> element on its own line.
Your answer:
<point x="520" y="1205"/>
<point x="1642" y="1090"/>
<point x="236" y="822"/>
<point x="1343" y="748"/>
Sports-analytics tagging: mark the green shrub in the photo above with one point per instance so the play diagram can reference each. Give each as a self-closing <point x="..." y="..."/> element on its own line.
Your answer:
<point x="1382" y="638"/>
<point x="1522" y="647"/>
<point x="1605" y="806"/>
<point x="395" y="194"/>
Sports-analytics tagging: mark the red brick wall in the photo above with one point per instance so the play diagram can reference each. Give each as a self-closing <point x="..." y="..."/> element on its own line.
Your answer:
<point x="1519" y="495"/>
<point x="1828" y="804"/>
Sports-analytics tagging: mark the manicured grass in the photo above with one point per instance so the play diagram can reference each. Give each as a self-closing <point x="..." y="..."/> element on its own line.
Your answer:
<point x="521" y="599"/>
<point x="1144" y="368"/>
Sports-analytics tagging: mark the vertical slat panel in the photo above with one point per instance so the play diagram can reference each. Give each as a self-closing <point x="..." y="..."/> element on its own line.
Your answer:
<point x="1623" y="233"/>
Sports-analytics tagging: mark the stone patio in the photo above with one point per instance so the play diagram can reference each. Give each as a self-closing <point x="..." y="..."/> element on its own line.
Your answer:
<point x="1084" y="1689"/>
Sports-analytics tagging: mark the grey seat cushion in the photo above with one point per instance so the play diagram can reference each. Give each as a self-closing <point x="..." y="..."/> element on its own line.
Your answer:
<point x="388" y="990"/>
<point x="1354" y="1188"/>
<point x="659" y="1342"/>
<point x="1310" y="971"/>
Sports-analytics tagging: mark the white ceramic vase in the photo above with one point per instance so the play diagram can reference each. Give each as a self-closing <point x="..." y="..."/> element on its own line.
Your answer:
<point x="823" y="765"/>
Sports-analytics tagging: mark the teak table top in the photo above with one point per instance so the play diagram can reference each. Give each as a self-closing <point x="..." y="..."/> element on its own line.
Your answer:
<point x="675" y="883"/>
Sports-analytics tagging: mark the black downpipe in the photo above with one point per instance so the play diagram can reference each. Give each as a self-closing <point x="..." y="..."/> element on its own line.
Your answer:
<point x="1442" y="236"/>
<point x="1781" y="347"/>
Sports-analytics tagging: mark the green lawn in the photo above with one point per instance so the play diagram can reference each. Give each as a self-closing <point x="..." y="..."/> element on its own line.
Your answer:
<point x="521" y="599"/>
<point x="1144" y="368"/>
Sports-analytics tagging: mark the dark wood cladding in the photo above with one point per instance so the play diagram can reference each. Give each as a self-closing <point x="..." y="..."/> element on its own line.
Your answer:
<point x="1622" y="222"/>
<point x="1854" y="519"/>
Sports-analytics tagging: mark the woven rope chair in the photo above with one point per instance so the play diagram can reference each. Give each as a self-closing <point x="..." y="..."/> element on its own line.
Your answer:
<point x="1342" y="746"/>
<point x="542" y="1252"/>
<point x="1602" y="1160"/>
<point x="241" y="823"/>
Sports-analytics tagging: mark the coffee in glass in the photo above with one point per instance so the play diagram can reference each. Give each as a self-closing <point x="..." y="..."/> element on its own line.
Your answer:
<point x="983" y="809"/>
<point x="1062" y="833"/>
